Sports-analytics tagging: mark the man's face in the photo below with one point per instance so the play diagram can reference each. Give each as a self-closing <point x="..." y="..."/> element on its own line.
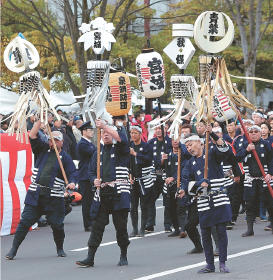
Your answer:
<point x="58" y="124"/>
<point x="194" y="147"/>
<point x="255" y="135"/>
<point x="88" y="133"/>
<point x="135" y="135"/>
<point x="257" y="119"/>
<point x="200" y="128"/>
<point x="106" y="137"/>
<point x="231" y="127"/>
<point x="158" y="132"/>
<point x="58" y="143"/>
<point x="175" y="143"/>
<point x="185" y="131"/>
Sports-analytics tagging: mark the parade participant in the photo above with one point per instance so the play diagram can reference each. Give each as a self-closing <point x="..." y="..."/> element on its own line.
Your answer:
<point x="255" y="188"/>
<point x="201" y="129"/>
<point x="232" y="172"/>
<point x="213" y="204"/>
<point x="45" y="194"/>
<point x="77" y="120"/>
<point x="160" y="150"/>
<point x="258" y="117"/>
<point x="113" y="191"/>
<point x="177" y="209"/>
<point x="141" y="179"/>
<point x="231" y="131"/>
<point x="85" y="151"/>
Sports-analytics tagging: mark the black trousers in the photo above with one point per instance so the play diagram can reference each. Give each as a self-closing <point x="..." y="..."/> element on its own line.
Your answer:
<point x="157" y="190"/>
<point x="31" y="215"/>
<point x="192" y="223"/>
<point x="144" y="200"/>
<point x="170" y="203"/>
<point x="236" y="197"/>
<point x="253" y="195"/>
<point x="87" y="198"/>
<point x="120" y="219"/>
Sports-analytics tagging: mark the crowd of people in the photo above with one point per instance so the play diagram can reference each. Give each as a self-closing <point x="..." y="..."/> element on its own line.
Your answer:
<point x="134" y="165"/>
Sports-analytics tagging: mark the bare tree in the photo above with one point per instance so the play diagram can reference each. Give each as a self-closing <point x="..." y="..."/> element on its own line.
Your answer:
<point x="258" y="18"/>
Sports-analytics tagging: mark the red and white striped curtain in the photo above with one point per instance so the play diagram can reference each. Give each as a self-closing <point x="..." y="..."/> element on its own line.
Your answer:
<point x="16" y="161"/>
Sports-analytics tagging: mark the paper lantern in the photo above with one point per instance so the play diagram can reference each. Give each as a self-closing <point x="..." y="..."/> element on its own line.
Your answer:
<point x="222" y="109"/>
<point x="150" y="73"/>
<point x="21" y="55"/>
<point x="118" y="99"/>
<point x="183" y="86"/>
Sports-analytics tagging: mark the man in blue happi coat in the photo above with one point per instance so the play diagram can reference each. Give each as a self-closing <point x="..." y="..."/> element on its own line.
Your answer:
<point x="212" y="201"/>
<point x="255" y="186"/>
<point x="85" y="151"/>
<point x="45" y="194"/>
<point x="141" y="177"/>
<point x="113" y="191"/>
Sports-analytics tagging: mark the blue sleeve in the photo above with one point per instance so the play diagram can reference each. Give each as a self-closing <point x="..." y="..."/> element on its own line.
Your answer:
<point x="185" y="176"/>
<point x="38" y="146"/>
<point x="269" y="157"/>
<point x="242" y="152"/>
<point x="123" y="145"/>
<point x="70" y="169"/>
<point x="85" y="149"/>
<point x="145" y="157"/>
<point x="233" y="161"/>
<point x="92" y="168"/>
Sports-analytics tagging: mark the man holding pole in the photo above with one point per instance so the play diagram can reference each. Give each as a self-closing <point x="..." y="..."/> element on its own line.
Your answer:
<point x="110" y="174"/>
<point x="212" y="201"/>
<point x="255" y="185"/>
<point x="45" y="194"/>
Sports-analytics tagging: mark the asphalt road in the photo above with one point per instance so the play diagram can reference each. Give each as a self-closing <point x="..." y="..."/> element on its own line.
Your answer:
<point x="155" y="256"/>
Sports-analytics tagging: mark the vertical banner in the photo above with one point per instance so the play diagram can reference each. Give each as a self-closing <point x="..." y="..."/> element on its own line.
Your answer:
<point x="16" y="163"/>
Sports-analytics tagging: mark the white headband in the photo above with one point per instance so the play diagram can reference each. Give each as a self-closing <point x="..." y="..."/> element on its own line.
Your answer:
<point x="192" y="138"/>
<point x="254" y="127"/>
<point x="270" y="113"/>
<point x="259" y="114"/>
<point x="217" y="130"/>
<point x="248" y="121"/>
<point x="139" y="129"/>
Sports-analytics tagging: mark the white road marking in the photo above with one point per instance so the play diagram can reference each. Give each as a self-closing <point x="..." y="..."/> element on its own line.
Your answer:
<point x="187" y="267"/>
<point x="115" y="242"/>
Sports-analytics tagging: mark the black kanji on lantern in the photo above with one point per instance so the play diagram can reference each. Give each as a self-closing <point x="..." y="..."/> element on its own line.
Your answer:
<point x="180" y="59"/>
<point x="155" y="66"/>
<point x="122" y="89"/>
<point x="97" y="40"/>
<point x="180" y="42"/>
<point x="121" y="80"/>
<point x="158" y="81"/>
<point x="123" y="97"/>
<point x="123" y="105"/>
<point x="17" y="55"/>
<point x="213" y="24"/>
<point x="28" y="54"/>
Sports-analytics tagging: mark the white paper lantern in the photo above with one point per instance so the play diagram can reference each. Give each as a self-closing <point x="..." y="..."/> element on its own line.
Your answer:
<point x="222" y="109"/>
<point x="150" y="73"/>
<point x="183" y="86"/>
<point x="21" y="55"/>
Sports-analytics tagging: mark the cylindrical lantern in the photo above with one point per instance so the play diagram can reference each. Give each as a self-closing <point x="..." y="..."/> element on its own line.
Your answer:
<point x="150" y="73"/>
<point x="118" y="100"/>
<point x="95" y="73"/>
<point x="222" y="109"/>
<point x="183" y="86"/>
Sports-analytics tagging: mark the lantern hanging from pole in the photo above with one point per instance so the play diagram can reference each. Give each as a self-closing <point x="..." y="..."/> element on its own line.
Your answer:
<point x="118" y="99"/>
<point x="222" y="108"/>
<point x="150" y="73"/>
